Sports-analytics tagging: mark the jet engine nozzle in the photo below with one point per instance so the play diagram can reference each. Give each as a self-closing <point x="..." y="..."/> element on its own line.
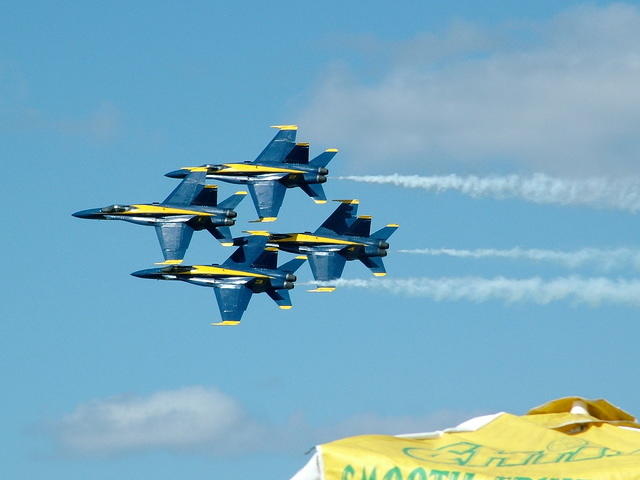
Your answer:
<point x="290" y="277"/>
<point x="288" y="285"/>
<point x="231" y="213"/>
<point x="314" y="178"/>
<point x="383" y="244"/>
<point x="323" y="171"/>
<point x="372" y="251"/>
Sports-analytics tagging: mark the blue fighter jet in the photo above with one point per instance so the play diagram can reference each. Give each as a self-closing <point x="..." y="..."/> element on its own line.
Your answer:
<point x="342" y="236"/>
<point x="252" y="268"/>
<point x="282" y="164"/>
<point x="191" y="206"/>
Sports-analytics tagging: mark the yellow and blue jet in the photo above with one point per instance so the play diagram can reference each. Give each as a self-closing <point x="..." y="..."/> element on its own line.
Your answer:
<point x="252" y="268"/>
<point x="191" y="206"/>
<point x="342" y="236"/>
<point x="282" y="164"/>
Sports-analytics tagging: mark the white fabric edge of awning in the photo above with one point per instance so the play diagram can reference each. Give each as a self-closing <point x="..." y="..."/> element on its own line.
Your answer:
<point x="470" y="425"/>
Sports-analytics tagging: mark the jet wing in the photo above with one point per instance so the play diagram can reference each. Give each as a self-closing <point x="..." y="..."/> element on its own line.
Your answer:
<point x="341" y="219"/>
<point x="233" y="300"/>
<point x="280" y="146"/>
<point x="188" y="189"/>
<point x="326" y="266"/>
<point x="174" y="239"/>
<point x="267" y="197"/>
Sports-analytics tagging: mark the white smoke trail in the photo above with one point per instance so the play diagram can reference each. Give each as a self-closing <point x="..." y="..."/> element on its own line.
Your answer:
<point x="605" y="259"/>
<point x="591" y="291"/>
<point x="621" y="194"/>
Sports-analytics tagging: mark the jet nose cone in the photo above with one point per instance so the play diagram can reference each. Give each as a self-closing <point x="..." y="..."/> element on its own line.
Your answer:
<point x="147" y="273"/>
<point x="85" y="213"/>
<point x="176" y="174"/>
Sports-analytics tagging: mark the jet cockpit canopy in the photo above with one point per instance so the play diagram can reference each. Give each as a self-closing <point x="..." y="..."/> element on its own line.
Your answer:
<point x="115" y="209"/>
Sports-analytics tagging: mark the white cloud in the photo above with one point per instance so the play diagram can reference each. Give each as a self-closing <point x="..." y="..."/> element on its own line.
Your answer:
<point x="185" y="419"/>
<point x="207" y="421"/>
<point x="559" y="96"/>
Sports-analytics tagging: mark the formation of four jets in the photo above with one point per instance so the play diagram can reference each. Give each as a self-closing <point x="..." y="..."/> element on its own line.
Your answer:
<point x="252" y="268"/>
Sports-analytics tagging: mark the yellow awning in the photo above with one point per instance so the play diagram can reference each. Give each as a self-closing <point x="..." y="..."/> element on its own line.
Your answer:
<point x="566" y="439"/>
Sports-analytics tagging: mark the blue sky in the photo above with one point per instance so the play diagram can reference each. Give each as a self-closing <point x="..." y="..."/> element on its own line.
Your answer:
<point x="110" y="376"/>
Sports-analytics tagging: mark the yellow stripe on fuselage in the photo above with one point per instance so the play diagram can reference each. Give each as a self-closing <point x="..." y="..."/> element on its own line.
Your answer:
<point x="251" y="168"/>
<point x="247" y="169"/>
<point x="306" y="238"/>
<point x="222" y="272"/>
<point x="157" y="209"/>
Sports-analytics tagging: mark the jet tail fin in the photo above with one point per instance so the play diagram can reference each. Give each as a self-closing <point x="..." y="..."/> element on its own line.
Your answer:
<point x="208" y="196"/>
<point x="187" y="190"/>
<point x="233" y="201"/>
<point x="267" y="259"/>
<point x="249" y="249"/>
<point x="341" y="218"/>
<point x="299" y="154"/>
<point x="292" y="265"/>
<point x="385" y="232"/>
<point x="324" y="158"/>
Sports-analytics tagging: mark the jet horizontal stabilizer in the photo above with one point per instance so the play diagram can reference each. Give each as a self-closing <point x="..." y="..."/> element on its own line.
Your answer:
<point x="233" y="201"/>
<point x="281" y="297"/>
<point x="385" y="232"/>
<point x="315" y="191"/>
<point x="221" y="233"/>
<point x="293" y="265"/>
<point x="324" y="158"/>
<point x="375" y="265"/>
